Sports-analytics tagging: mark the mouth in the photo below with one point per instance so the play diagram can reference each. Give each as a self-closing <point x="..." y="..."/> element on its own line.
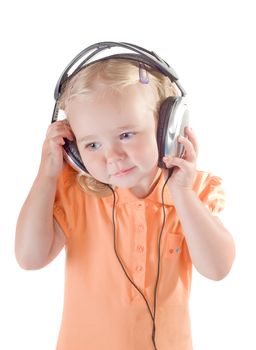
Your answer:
<point x="123" y="172"/>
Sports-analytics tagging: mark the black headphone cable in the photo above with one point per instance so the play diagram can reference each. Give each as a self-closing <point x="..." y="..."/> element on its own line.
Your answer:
<point x="158" y="271"/>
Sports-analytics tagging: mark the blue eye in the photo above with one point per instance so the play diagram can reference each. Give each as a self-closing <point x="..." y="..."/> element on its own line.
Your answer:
<point x="94" y="146"/>
<point x="129" y="135"/>
<point x="90" y="146"/>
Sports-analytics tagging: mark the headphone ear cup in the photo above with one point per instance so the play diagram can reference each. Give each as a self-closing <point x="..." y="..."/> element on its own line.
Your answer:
<point x="173" y="118"/>
<point x="72" y="156"/>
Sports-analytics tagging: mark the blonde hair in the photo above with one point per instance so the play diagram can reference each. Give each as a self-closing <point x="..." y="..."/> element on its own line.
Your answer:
<point x="115" y="74"/>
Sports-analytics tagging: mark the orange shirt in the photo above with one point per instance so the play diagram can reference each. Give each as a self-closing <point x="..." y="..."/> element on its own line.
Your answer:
<point x="102" y="309"/>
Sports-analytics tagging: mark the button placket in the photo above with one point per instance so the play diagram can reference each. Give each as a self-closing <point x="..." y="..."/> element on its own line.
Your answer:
<point x="139" y="246"/>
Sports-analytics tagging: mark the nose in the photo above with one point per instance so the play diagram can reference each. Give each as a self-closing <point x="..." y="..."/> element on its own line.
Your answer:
<point x="114" y="154"/>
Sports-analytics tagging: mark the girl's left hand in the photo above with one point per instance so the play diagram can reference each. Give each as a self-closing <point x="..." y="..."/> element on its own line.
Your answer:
<point x="184" y="172"/>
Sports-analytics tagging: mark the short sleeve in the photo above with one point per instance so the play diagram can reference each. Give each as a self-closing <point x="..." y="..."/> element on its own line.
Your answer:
<point x="210" y="191"/>
<point x="64" y="208"/>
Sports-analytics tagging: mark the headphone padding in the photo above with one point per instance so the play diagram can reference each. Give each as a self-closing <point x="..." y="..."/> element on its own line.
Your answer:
<point x="163" y="121"/>
<point x="72" y="156"/>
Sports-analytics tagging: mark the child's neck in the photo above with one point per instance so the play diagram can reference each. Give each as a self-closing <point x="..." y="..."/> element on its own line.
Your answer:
<point x="143" y="191"/>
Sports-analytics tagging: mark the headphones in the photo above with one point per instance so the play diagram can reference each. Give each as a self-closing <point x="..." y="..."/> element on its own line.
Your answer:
<point x="173" y="115"/>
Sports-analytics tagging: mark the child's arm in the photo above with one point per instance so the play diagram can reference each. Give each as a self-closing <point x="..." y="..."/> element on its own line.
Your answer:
<point x="38" y="236"/>
<point x="210" y="245"/>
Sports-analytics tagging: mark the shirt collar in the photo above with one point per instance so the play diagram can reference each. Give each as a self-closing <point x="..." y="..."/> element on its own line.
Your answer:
<point x="124" y="196"/>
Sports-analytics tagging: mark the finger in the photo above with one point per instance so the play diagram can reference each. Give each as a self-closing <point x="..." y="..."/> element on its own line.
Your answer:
<point x="171" y="161"/>
<point x="181" y="163"/>
<point x="192" y="137"/>
<point x="60" y="122"/>
<point x="58" y="126"/>
<point x="57" y="140"/>
<point x="190" y="154"/>
<point x="60" y="131"/>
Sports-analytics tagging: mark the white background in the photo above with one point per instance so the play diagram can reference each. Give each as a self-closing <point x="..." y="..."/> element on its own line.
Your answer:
<point x="211" y="44"/>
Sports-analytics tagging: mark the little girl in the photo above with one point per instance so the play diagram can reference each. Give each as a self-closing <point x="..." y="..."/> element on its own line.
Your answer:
<point x="130" y="244"/>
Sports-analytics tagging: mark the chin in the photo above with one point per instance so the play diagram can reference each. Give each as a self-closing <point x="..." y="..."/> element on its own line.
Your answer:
<point x="124" y="183"/>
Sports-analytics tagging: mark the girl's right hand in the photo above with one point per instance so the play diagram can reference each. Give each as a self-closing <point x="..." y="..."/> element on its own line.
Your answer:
<point x="52" y="152"/>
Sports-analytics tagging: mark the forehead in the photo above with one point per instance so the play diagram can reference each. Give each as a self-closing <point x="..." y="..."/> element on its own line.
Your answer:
<point x="107" y="109"/>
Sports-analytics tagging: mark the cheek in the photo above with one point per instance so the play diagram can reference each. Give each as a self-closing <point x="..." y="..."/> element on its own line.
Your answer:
<point x="147" y="151"/>
<point x="95" y="167"/>
<point x="89" y="160"/>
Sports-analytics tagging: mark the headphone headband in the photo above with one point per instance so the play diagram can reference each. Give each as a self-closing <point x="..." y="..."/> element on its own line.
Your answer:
<point x="142" y="55"/>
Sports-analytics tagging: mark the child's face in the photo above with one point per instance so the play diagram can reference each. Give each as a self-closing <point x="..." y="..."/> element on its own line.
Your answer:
<point x="124" y="129"/>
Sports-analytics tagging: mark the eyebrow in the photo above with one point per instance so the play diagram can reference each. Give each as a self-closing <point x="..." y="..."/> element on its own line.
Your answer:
<point x="87" y="137"/>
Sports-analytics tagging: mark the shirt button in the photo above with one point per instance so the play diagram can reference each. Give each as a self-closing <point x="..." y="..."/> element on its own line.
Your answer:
<point x="139" y="268"/>
<point x="140" y="205"/>
<point x="141" y="228"/>
<point x="140" y="249"/>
